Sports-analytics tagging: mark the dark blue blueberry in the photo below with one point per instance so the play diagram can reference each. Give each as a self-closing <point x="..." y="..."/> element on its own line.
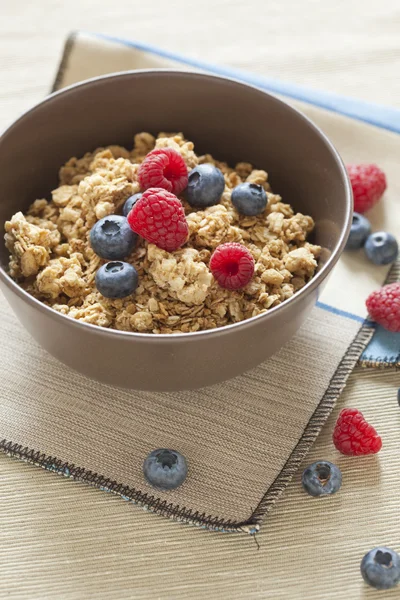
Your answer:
<point x="112" y="238"/>
<point x="398" y="396"/>
<point x="249" y="199"/>
<point x="165" y="469"/>
<point x="380" y="568"/>
<point x="381" y="248"/>
<point x="360" y="230"/>
<point x="205" y="186"/>
<point x="117" y="279"/>
<point x="130" y="202"/>
<point x="321" y="478"/>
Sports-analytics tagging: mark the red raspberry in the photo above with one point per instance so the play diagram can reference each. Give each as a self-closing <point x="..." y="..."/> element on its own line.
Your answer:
<point x="158" y="216"/>
<point x="368" y="183"/>
<point x="354" y="436"/>
<point x="232" y="265"/>
<point x="163" y="168"/>
<point x="384" y="306"/>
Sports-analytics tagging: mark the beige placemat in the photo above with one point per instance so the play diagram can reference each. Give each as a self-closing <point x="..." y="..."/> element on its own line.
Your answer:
<point x="243" y="439"/>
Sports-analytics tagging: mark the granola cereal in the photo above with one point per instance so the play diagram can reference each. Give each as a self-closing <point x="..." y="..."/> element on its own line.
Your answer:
<point x="51" y="256"/>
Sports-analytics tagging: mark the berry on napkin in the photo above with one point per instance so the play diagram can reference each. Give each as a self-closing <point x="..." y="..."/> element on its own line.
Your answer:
<point x="384" y="306"/>
<point x="368" y="183"/>
<point x="353" y="436"/>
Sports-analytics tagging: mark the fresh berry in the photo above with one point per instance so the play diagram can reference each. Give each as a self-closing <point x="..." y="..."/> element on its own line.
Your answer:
<point x="380" y="568"/>
<point x="116" y="279"/>
<point x="321" y="478"/>
<point x="158" y="216"/>
<point x="205" y="186"/>
<point x="130" y="202"/>
<point x="232" y="265"/>
<point x="112" y="238"/>
<point x="368" y="183"/>
<point x="353" y="436"/>
<point x="360" y="230"/>
<point x="165" y="469"/>
<point x="249" y="199"/>
<point x="398" y="396"/>
<point x="381" y="248"/>
<point x="384" y="306"/>
<point x="164" y="168"/>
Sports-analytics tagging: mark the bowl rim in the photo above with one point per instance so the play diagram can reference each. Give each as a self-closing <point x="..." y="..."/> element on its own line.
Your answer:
<point x="311" y="286"/>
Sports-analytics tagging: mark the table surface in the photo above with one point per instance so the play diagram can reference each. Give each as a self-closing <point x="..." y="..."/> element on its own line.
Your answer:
<point x="64" y="540"/>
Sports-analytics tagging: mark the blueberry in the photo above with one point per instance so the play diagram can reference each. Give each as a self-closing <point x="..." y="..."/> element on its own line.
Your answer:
<point x="380" y="568"/>
<point x="130" y="202"/>
<point x="165" y="469"/>
<point x="249" y="199"/>
<point x="112" y="238"/>
<point x="321" y="478"/>
<point x="205" y="186"/>
<point x="398" y="396"/>
<point x="360" y="230"/>
<point x="117" y="279"/>
<point x="381" y="248"/>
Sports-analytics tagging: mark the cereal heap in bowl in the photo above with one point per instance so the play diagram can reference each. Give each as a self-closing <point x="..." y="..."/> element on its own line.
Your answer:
<point x="160" y="240"/>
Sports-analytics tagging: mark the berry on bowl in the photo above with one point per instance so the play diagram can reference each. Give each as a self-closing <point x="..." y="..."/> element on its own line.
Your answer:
<point x="130" y="202"/>
<point x="384" y="306"/>
<point x="353" y="436"/>
<point x="368" y="183"/>
<point x="112" y="238"/>
<point x="249" y="199"/>
<point x="381" y="248"/>
<point x="116" y="279"/>
<point x="158" y="217"/>
<point x="380" y="568"/>
<point x="205" y="186"/>
<point x="165" y="469"/>
<point x="360" y="230"/>
<point x="232" y="266"/>
<point x="164" y="168"/>
<point x="322" y="478"/>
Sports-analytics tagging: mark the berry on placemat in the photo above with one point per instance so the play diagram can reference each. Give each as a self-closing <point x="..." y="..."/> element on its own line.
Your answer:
<point x="205" y="186"/>
<point x="112" y="238"/>
<point x="130" y="202"/>
<point x="381" y="248"/>
<point x="163" y="168"/>
<point x="353" y="436"/>
<point x="360" y="230"/>
<point x="232" y="265"/>
<point x="165" y="469"/>
<point x="380" y="568"/>
<point x="158" y="216"/>
<point x="368" y="183"/>
<point x="384" y="306"/>
<point x="116" y="279"/>
<point x="249" y="199"/>
<point x="322" y="478"/>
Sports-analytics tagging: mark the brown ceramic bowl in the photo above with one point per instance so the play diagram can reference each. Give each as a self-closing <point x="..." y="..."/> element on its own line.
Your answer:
<point x="234" y="122"/>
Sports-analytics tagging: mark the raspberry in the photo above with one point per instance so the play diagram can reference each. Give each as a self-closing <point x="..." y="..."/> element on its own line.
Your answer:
<point x="384" y="306"/>
<point x="354" y="436"/>
<point x="164" y="168"/>
<point x="232" y="265"/>
<point x="368" y="183"/>
<point x="158" y="216"/>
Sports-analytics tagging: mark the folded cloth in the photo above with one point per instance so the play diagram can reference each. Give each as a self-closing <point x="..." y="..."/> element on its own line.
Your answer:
<point x="243" y="439"/>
